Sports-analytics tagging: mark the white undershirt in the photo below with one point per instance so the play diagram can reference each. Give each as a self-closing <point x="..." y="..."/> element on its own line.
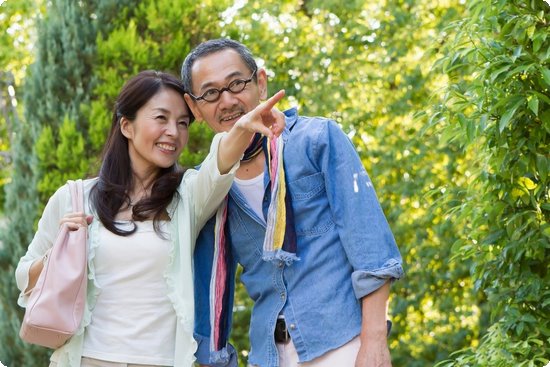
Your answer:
<point x="133" y="320"/>
<point x="253" y="192"/>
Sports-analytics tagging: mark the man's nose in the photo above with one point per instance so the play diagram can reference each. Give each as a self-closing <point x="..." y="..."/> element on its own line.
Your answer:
<point x="227" y="98"/>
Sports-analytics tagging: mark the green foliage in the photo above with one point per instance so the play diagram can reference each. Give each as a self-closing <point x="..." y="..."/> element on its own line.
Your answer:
<point x="7" y="120"/>
<point x="65" y="49"/>
<point x="17" y="22"/>
<point x="499" y="349"/>
<point x="21" y="204"/>
<point x="18" y="197"/>
<point x="60" y="159"/>
<point x="65" y="57"/>
<point x="497" y="106"/>
<point x="100" y="119"/>
<point x="17" y="19"/>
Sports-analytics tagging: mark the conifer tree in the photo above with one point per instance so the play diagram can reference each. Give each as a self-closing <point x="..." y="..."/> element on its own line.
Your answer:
<point x="60" y="81"/>
<point x="21" y="204"/>
<point x="55" y="87"/>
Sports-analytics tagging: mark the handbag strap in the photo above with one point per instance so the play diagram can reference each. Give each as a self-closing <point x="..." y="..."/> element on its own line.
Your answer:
<point x="77" y="195"/>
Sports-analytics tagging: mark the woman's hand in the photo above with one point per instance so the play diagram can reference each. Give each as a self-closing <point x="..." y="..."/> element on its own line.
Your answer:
<point x="76" y="220"/>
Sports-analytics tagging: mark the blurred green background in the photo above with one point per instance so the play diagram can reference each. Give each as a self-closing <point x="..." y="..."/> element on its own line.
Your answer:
<point x="447" y="102"/>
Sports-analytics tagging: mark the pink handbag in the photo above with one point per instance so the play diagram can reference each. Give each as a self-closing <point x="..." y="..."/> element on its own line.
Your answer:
<point x="56" y="304"/>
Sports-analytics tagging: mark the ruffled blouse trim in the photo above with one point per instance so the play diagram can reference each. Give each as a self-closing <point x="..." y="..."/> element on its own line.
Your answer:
<point x="186" y="323"/>
<point x="67" y="355"/>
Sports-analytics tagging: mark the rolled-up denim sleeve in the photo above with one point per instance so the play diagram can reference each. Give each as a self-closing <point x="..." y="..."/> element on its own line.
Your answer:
<point x="362" y="226"/>
<point x="367" y="281"/>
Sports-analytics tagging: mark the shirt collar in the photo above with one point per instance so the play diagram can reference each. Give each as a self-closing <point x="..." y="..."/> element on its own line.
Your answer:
<point x="291" y="118"/>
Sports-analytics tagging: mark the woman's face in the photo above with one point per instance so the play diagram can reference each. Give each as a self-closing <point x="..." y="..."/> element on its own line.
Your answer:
<point x="159" y="132"/>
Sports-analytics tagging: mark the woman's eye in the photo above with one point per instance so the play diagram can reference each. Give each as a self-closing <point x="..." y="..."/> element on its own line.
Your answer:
<point x="184" y="123"/>
<point x="161" y="117"/>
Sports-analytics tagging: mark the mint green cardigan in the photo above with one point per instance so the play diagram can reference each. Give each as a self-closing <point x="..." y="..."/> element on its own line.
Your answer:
<point x="200" y="193"/>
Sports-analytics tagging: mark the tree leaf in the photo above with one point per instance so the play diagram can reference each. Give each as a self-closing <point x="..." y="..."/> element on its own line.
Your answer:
<point x="517" y="53"/>
<point x="545" y="75"/>
<point x="495" y="74"/>
<point x="533" y="104"/>
<point x="507" y="117"/>
<point x="542" y="167"/>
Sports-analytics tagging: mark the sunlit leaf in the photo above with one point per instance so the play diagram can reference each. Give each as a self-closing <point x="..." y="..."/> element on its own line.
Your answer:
<point x="533" y="104"/>
<point x="546" y="75"/>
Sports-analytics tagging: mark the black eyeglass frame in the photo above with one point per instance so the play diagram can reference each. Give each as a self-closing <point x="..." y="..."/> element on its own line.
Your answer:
<point x="227" y="88"/>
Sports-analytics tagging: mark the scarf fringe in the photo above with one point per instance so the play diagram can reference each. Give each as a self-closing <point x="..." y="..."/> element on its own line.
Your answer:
<point x="219" y="356"/>
<point x="280" y="255"/>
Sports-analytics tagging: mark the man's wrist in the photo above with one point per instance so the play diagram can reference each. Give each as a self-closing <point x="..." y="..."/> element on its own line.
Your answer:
<point x="378" y="334"/>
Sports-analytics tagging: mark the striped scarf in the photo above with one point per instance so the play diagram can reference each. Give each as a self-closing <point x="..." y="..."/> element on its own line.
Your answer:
<point x="279" y="243"/>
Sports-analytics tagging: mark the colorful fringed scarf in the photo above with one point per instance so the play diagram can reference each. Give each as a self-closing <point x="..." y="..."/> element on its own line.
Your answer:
<point x="280" y="235"/>
<point x="279" y="243"/>
<point x="254" y="148"/>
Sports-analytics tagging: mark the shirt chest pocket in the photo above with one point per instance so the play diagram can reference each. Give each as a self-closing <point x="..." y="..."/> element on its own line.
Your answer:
<point x="312" y="214"/>
<point x="246" y="237"/>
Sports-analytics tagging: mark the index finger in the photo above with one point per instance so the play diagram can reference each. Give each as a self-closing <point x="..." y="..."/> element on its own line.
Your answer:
<point x="74" y="215"/>
<point x="271" y="102"/>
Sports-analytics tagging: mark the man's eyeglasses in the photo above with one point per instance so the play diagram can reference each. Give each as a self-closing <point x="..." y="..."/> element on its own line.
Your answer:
<point x="236" y="86"/>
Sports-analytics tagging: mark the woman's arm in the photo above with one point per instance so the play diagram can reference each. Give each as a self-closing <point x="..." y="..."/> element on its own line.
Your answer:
<point x="30" y="265"/>
<point x="34" y="273"/>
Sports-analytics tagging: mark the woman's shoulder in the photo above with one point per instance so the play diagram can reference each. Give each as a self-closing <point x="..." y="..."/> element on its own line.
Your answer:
<point x="188" y="175"/>
<point x="89" y="183"/>
<point x="62" y="196"/>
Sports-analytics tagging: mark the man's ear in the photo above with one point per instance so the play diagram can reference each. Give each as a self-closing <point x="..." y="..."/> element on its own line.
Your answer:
<point x="192" y="104"/>
<point x="262" y="83"/>
<point x="126" y="128"/>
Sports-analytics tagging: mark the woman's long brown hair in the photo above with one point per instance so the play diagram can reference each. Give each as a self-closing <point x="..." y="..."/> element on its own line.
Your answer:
<point x="116" y="180"/>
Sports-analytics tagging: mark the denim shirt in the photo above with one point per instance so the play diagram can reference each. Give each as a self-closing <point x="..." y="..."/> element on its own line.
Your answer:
<point x="345" y="247"/>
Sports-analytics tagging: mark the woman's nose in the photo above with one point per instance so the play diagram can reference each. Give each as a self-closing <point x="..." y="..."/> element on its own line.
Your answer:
<point x="171" y="128"/>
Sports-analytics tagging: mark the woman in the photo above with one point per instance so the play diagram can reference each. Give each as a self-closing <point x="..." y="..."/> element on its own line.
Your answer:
<point x="144" y="213"/>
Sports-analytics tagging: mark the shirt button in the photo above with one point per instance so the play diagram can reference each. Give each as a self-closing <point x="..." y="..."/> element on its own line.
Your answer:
<point x="283" y="295"/>
<point x="280" y="264"/>
<point x="292" y="326"/>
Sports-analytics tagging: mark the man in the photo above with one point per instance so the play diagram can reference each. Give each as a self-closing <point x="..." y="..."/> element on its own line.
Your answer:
<point x="316" y="250"/>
